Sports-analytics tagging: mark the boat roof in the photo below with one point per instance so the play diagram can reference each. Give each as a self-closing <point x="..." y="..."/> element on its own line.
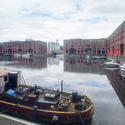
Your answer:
<point x="4" y="72"/>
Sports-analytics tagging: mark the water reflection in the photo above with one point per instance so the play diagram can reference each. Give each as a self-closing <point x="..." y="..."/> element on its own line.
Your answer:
<point x="25" y="62"/>
<point x="80" y="65"/>
<point x="89" y="79"/>
<point x="53" y="61"/>
<point x="118" y="84"/>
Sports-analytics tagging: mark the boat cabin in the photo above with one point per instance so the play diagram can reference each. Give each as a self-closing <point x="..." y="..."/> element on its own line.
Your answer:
<point x="8" y="80"/>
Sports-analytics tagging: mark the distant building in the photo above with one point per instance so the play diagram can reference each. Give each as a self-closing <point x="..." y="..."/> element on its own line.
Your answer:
<point x="33" y="47"/>
<point x="61" y="48"/>
<point x="53" y="47"/>
<point x="86" y="46"/>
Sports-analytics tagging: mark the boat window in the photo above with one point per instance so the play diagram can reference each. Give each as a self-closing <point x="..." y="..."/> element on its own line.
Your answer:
<point x="5" y="78"/>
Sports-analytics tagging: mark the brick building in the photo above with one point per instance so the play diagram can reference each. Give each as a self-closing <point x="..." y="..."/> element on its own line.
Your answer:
<point x="23" y="47"/>
<point x="85" y="46"/>
<point x="116" y="41"/>
<point x="113" y="45"/>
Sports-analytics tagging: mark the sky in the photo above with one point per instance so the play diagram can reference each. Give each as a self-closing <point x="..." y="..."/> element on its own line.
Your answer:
<point x="49" y="20"/>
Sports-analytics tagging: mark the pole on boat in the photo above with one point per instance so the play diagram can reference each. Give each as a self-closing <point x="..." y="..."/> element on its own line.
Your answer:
<point x="61" y="85"/>
<point x="61" y="89"/>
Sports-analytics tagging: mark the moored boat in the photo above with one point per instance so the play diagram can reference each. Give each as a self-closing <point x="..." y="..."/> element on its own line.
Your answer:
<point x="98" y="57"/>
<point x="122" y="70"/>
<point x="112" y="64"/>
<point x="41" y="104"/>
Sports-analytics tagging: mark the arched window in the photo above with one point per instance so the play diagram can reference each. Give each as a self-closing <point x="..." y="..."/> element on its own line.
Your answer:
<point x="82" y="51"/>
<point x="122" y="49"/>
<point x="113" y="50"/>
<point x="88" y="51"/>
<point x="99" y="53"/>
<point x="72" y="51"/>
<point x="19" y="51"/>
<point x="9" y="51"/>
<point x="103" y="51"/>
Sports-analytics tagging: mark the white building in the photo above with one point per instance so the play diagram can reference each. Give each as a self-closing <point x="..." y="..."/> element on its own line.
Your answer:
<point x="53" y="47"/>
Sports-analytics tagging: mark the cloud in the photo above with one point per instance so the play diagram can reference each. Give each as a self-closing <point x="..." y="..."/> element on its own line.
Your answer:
<point x="59" y="19"/>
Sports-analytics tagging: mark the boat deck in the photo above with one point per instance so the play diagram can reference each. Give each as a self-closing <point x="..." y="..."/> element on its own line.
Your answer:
<point x="47" y="99"/>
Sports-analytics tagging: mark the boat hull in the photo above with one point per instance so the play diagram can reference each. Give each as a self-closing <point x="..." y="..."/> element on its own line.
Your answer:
<point x="122" y="72"/>
<point x="48" y="116"/>
<point x="111" y="65"/>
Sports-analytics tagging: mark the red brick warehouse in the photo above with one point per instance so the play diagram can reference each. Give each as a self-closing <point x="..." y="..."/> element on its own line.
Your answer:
<point x="116" y="41"/>
<point x="86" y="46"/>
<point x="23" y="47"/>
<point x="113" y="45"/>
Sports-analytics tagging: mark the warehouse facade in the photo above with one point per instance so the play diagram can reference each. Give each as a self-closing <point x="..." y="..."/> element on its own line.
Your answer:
<point x="86" y="46"/>
<point x="114" y="45"/>
<point x="31" y="47"/>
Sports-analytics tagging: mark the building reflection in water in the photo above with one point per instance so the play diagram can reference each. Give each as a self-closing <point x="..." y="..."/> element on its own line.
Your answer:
<point x="53" y="61"/>
<point x="118" y="84"/>
<point x="79" y="65"/>
<point x="25" y="62"/>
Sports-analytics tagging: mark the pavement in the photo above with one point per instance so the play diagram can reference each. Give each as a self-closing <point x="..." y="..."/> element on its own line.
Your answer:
<point x="8" y="120"/>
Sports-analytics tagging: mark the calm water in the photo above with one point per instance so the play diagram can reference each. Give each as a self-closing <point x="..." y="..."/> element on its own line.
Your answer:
<point x="106" y="88"/>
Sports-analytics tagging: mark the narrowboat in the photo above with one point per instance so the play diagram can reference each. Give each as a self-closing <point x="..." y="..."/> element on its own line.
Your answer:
<point x="42" y="104"/>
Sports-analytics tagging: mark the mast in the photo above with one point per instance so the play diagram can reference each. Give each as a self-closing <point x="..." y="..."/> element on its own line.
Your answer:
<point x="61" y="89"/>
<point x="61" y="86"/>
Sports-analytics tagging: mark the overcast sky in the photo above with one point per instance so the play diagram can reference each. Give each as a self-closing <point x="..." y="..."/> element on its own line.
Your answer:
<point x="48" y="20"/>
